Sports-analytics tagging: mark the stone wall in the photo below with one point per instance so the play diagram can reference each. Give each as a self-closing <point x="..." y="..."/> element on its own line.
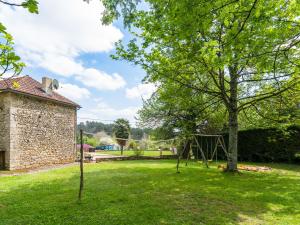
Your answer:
<point x="4" y="126"/>
<point x="41" y="132"/>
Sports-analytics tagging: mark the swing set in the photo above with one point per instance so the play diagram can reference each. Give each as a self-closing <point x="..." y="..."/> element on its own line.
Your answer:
<point x="206" y="145"/>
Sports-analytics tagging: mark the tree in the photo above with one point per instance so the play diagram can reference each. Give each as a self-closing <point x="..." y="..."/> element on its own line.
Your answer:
<point x="163" y="132"/>
<point x="98" y="127"/>
<point x="121" y="131"/>
<point x="91" y="141"/>
<point x="281" y="112"/>
<point x="10" y="63"/>
<point x="238" y="52"/>
<point x="30" y="5"/>
<point x="176" y="107"/>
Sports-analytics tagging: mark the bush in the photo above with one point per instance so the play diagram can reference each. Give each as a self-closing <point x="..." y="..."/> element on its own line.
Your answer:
<point x="261" y="145"/>
<point x="269" y="145"/>
<point x="91" y="141"/>
<point x="132" y="145"/>
<point x="138" y="152"/>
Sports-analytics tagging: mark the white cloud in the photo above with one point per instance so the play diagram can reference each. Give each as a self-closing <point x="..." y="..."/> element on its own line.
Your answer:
<point x="101" y="80"/>
<point x="61" y="65"/>
<point x="59" y="34"/>
<point x="141" y="91"/>
<point x="62" y="27"/>
<point x="73" y="92"/>
<point x="7" y="75"/>
<point x="106" y="113"/>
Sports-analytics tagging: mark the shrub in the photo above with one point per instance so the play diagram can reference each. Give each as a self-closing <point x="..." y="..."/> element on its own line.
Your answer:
<point x="138" y="151"/>
<point x="263" y="145"/>
<point x="91" y="141"/>
<point x="132" y="145"/>
<point x="269" y="145"/>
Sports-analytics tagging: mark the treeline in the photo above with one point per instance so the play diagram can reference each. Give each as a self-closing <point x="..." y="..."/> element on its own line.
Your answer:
<point x="96" y="127"/>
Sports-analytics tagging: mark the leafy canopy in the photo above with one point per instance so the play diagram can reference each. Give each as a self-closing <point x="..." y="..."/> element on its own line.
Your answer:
<point x="121" y="128"/>
<point x="238" y="52"/>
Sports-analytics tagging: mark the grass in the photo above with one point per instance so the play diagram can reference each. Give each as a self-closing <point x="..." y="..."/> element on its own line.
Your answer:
<point x="150" y="192"/>
<point x="131" y="153"/>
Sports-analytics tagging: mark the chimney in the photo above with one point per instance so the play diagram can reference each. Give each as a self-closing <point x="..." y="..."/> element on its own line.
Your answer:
<point x="47" y="85"/>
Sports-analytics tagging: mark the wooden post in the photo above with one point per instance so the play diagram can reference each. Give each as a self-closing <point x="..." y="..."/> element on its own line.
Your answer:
<point x="180" y="155"/>
<point x="202" y="153"/>
<point x="122" y="149"/>
<point x="81" y="166"/>
<point x="188" y="155"/>
<point x="215" y="149"/>
<point x="178" y="161"/>
<point x="197" y="156"/>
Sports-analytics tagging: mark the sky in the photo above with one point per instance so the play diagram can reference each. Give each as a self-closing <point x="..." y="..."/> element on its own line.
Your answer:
<point x="66" y="41"/>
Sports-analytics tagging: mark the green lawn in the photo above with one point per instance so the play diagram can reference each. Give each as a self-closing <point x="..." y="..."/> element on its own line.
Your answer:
<point x="131" y="153"/>
<point x="150" y="192"/>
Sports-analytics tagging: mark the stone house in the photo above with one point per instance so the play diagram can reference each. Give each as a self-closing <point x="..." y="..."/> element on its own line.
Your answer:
<point x="37" y="125"/>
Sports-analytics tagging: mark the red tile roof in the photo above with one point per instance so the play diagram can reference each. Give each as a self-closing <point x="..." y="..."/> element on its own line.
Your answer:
<point x="29" y="86"/>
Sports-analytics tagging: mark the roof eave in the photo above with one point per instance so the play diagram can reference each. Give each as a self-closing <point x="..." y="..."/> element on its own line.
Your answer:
<point x="40" y="97"/>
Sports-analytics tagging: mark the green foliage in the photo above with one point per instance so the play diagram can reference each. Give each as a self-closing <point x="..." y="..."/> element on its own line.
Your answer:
<point x="138" y="152"/>
<point x="31" y="6"/>
<point x="132" y="145"/>
<point x="121" y="128"/>
<point x="96" y="127"/>
<point x="281" y="111"/>
<point x="269" y="145"/>
<point x="91" y="141"/>
<point x="162" y="133"/>
<point x="233" y="54"/>
<point x="128" y="7"/>
<point x="9" y="61"/>
<point x="144" y="144"/>
<point x="176" y="107"/>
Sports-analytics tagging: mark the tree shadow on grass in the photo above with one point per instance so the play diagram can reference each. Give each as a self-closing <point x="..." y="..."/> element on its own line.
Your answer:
<point x="145" y="193"/>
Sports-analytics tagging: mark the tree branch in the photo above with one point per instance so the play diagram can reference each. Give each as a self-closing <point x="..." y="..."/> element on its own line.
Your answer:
<point x="10" y="4"/>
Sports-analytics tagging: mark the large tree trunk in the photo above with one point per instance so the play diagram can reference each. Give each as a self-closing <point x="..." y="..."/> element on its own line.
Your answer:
<point x="122" y="147"/>
<point x="233" y="141"/>
<point x="122" y="143"/>
<point x="233" y="123"/>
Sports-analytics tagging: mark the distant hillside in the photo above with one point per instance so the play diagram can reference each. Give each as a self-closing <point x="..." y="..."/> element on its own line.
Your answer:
<point x="96" y="127"/>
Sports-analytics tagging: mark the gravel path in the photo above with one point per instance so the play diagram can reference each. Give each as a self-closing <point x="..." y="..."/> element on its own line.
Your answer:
<point x="6" y="173"/>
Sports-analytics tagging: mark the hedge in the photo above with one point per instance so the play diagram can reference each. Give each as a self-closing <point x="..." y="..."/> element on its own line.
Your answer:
<point x="269" y="145"/>
<point x="265" y="145"/>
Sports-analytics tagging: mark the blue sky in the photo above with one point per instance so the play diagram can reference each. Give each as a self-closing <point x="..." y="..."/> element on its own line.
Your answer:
<point x="67" y="41"/>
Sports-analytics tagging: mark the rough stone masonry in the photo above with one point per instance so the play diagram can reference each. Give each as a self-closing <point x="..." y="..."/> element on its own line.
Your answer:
<point x="36" y="131"/>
